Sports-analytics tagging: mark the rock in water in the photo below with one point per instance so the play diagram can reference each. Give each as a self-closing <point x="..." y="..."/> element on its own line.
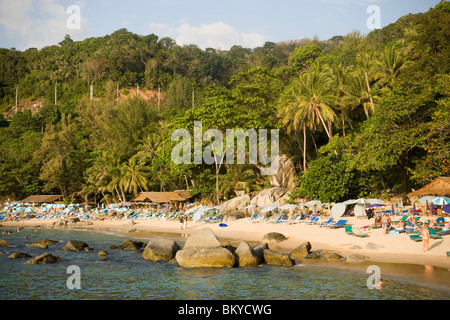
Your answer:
<point x="160" y="249"/>
<point x="3" y="243"/>
<point x="205" y="257"/>
<point x="75" y="245"/>
<point x="44" y="258"/>
<point x="278" y="259"/>
<point x="19" y="255"/>
<point x="203" y="238"/>
<point x="245" y="256"/>
<point x="42" y="243"/>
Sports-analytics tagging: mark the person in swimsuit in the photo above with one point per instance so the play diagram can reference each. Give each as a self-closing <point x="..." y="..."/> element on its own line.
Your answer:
<point x="425" y="238"/>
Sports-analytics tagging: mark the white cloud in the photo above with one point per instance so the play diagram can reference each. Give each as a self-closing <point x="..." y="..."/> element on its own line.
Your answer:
<point x="216" y="35"/>
<point x="37" y="23"/>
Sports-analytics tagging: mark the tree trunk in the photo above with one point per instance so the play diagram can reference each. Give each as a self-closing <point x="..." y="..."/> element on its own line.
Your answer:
<point x="304" y="147"/>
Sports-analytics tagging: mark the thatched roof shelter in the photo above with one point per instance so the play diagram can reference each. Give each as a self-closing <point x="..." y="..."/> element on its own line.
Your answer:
<point x="159" y="197"/>
<point x="42" y="199"/>
<point x="438" y="187"/>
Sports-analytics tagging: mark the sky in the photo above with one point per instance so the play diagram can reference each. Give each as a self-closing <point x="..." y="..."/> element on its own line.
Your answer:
<point x="218" y="24"/>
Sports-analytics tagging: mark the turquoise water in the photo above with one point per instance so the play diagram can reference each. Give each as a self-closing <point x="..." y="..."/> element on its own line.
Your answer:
<point x="126" y="275"/>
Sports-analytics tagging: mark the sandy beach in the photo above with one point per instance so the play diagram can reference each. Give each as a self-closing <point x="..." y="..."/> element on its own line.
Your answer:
<point x="378" y="247"/>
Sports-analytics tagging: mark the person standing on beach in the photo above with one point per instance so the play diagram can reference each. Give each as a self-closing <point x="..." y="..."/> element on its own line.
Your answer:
<point x="185" y="219"/>
<point x="385" y="223"/>
<point x="425" y="238"/>
<point x="182" y="222"/>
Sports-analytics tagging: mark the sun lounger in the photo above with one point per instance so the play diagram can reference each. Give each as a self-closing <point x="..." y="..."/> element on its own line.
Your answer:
<point x="326" y="223"/>
<point x="355" y="232"/>
<point x="297" y="220"/>
<point x="415" y="237"/>
<point x="434" y="235"/>
<point x="339" y="224"/>
<point x="312" y="221"/>
<point x="276" y="221"/>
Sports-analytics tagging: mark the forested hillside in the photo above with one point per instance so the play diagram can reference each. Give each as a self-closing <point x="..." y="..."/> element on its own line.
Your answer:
<point x="359" y="114"/>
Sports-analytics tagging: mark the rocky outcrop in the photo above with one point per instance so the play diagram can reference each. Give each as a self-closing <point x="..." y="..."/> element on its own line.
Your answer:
<point x="3" y="243"/>
<point x="245" y="256"/>
<point x="236" y="203"/>
<point x="269" y="196"/>
<point x="75" y="245"/>
<point x="202" y="249"/>
<point x="202" y="238"/>
<point x="273" y="237"/>
<point x="205" y="258"/>
<point x="160" y="249"/>
<point x="275" y="258"/>
<point x="285" y="177"/>
<point x="300" y="252"/>
<point x="44" y="259"/>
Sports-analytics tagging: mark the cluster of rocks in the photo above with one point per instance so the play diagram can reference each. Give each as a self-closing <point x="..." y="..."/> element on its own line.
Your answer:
<point x="201" y="249"/>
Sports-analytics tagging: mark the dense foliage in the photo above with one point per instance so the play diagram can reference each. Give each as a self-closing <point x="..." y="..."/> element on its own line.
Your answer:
<point x="359" y="115"/>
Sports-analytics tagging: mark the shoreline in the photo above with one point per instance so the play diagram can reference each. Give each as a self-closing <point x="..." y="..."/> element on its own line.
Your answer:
<point x="396" y="255"/>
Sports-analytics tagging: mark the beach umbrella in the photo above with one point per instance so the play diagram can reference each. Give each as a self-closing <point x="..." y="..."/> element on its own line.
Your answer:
<point x="269" y="208"/>
<point x="338" y="210"/>
<point x="433" y="212"/>
<point x="414" y="209"/>
<point x="376" y="201"/>
<point x="440" y="201"/>
<point x="375" y="205"/>
<point x="362" y="201"/>
<point x="426" y="198"/>
<point x="288" y="206"/>
<point x="446" y="208"/>
<point x="348" y="202"/>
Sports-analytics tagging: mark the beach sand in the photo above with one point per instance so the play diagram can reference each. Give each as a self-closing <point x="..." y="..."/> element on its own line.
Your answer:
<point x="381" y="249"/>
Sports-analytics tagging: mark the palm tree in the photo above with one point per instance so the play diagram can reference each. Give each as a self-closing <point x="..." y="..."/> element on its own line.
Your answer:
<point x="305" y="104"/>
<point x="391" y="63"/>
<point x="340" y="78"/>
<point x="238" y="177"/>
<point x="133" y="175"/>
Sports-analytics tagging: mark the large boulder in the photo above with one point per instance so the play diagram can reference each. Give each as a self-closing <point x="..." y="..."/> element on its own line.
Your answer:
<point x="75" y="245"/>
<point x="277" y="258"/>
<point x="259" y="250"/>
<point x="269" y="196"/>
<point x="3" y="243"/>
<point x="273" y="237"/>
<point x="44" y="258"/>
<point x="245" y="256"/>
<point x="205" y="257"/>
<point x="160" y="249"/>
<point x="285" y="177"/>
<point x="236" y="203"/>
<point x="300" y="252"/>
<point x="202" y="238"/>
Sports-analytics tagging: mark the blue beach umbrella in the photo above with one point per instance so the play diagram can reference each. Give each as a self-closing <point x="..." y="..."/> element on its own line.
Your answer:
<point x="414" y="209"/>
<point x="433" y="212"/>
<point x="440" y="201"/>
<point x="446" y="208"/>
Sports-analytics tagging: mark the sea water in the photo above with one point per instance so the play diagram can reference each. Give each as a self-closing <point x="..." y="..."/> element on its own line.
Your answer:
<point x="127" y="276"/>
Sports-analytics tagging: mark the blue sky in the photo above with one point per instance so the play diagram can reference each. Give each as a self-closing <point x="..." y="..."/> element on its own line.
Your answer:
<point x="218" y="24"/>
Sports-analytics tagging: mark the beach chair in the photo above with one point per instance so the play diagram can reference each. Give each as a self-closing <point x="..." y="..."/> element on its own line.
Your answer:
<point x="275" y="221"/>
<point x="328" y="222"/>
<point x="339" y="224"/>
<point x="253" y="218"/>
<point x="433" y="234"/>
<point x="355" y="232"/>
<point x="297" y="220"/>
<point x="415" y="237"/>
<point x="312" y="221"/>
